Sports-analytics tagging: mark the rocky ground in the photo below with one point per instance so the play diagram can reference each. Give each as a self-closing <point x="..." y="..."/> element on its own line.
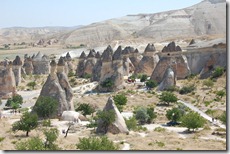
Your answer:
<point x="168" y="138"/>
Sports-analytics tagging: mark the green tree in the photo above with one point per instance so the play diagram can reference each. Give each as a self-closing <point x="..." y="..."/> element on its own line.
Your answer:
<point x="223" y="117"/>
<point x="217" y="72"/>
<point x="144" y="78"/>
<point x="32" y="84"/>
<point x="86" y="109"/>
<point x="46" y="107"/>
<point x="106" y="118"/>
<point x="187" y="89"/>
<point x="209" y="83"/>
<point x="34" y="143"/>
<point x="27" y="123"/>
<point x="192" y="120"/>
<point x="151" y="113"/>
<point x="120" y="100"/>
<point x="168" y="97"/>
<point x="151" y="84"/>
<point x="174" y="114"/>
<point x="96" y="143"/>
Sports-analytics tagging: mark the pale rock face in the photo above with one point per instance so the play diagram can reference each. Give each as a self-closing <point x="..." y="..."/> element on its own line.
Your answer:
<point x="7" y="81"/>
<point x="169" y="80"/>
<point x="41" y="64"/>
<point x="57" y="86"/>
<point x="179" y="64"/>
<point x="17" y="65"/>
<point x="128" y="66"/>
<point x="70" y="116"/>
<point x="147" y="64"/>
<point x="119" y="126"/>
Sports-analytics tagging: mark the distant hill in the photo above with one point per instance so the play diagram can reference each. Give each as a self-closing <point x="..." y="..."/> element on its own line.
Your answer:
<point x="205" y="18"/>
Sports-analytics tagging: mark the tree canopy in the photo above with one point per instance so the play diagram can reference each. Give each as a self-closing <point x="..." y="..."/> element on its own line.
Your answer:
<point x="168" y="97"/>
<point x="120" y="100"/>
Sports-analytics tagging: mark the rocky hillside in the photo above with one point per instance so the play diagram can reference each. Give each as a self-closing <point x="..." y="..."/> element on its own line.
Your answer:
<point x="205" y="18"/>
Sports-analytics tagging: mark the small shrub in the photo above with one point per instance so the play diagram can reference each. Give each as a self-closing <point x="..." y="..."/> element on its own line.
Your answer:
<point x="46" y="123"/>
<point x="207" y="103"/>
<point x="131" y="123"/>
<point x="217" y="72"/>
<point x="187" y="89"/>
<point x="220" y="93"/>
<point x="32" y="84"/>
<point x="120" y="100"/>
<point x="159" y="129"/>
<point x="151" y="84"/>
<point x="87" y="76"/>
<point x="96" y="143"/>
<point x="143" y="78"/>
<point x="71" y="74"/>
<point x="223" y="117"/>
<point x="2" y="138"/>
<point x="108" y="83"/>
<point x="160" y="144"/>
<point x="86" y="109"/>
<point x="209" y="83"/>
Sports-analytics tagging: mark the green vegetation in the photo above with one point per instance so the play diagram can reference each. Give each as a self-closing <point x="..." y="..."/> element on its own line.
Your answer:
<point x="15" y="102"/>
<point x="86" y="109"/>
<point x="151" y="84"/>
<point x="108" y="83"/>
<point x="2" y="138"/>
<point x="187" y="89"/>
<point x="120" y="101"/>
<point x="223" y="118"/>
<point x="192" y="120"/>
<point x="174" y="114"/>
<point x="145" y="115"/>
<point x="160" y="129"/>
<point x="36" y="143"/>
<point x="220" y="93"/>
<point x="27" y="123"/>
<point x="46" y="107"/>
<point x="168" y="97"/>
<point x="32" y="84"/>
<point x="71" y="74"/>
<point x="143" y="78"/>
<point x="107" y="118"/>
<point x="46" y="123"/>
<point x="209" y="83"/>
<point x="207" y="103"/>
<point x="131" y="123"/>
<point x="96" y="143"/>
<point x="217" y="72"/>
<point x="87" y="76"/>
<point x="160" y="144"/>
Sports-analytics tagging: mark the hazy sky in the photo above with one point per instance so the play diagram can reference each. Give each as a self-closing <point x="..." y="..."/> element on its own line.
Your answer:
<point x="39" y="13"/>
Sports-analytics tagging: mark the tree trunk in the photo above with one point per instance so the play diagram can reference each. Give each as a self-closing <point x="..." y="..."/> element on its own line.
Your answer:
<point x="27" y="133"/>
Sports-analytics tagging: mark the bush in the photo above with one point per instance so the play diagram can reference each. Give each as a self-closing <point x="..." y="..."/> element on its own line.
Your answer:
<point x="207" y="103"/>
<point x="209" y="83"/>
<point x="46" y="107"/>
<point x="120" y="100"/>
<point x="174" y="114"/>
<point x="34" y="143"/>
<point x="27" y="123"/>
<point x="32" y="84"/>
<point x="223" y="117"/>
<point x="220" y="93"/>
<point x="145" y="115"/>
<point x="159" y="129"/>
<point x="51" y="136"/>
<point x="187" y="89"/>
<point x="171" y="89"/>
<point x="16" y="99"/>
<point x="131" y="123"/>
<point x="96" y="143"/>
<point x="107" y="118"/>
<point x="143" y="78"/>
<point x="87" y="76"/>
<point x="71" y="74"/>
<point x="46" y="123"/>
<point x="193" y="120"/>
<point x="168" y="97"/>
<point x="217" y="72"/>
<point x="108" y="83"/>
<point x="86" y="109"/>
<point x="151" y="84"/>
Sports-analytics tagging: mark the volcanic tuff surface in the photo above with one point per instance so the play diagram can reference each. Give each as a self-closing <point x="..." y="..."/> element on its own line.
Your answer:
<point x="205" y="18"/>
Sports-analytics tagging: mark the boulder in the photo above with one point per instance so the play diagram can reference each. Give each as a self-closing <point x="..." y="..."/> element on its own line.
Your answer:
<point x="169" y="80"/>
<point x="70" y="116"/>
<point x="119" y="126"/>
